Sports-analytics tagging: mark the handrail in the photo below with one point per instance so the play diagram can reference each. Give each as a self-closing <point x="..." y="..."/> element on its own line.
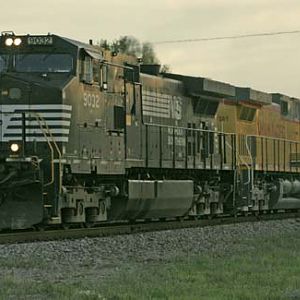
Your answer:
<point x="40" y="119"/>
<point x="237" y="154"/>
<point x="191" y="129"/>
<point x="251" y="172"/>
<point x="50" y="146"/>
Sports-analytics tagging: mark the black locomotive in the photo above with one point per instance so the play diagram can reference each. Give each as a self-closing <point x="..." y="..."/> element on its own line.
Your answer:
<point x="88" y="136"/>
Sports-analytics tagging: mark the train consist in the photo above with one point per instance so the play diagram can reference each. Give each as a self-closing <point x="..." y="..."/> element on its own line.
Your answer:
<point x="89" y="136"/>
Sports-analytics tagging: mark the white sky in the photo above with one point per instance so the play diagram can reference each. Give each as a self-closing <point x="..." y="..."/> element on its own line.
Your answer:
<point x="270" y="64"/>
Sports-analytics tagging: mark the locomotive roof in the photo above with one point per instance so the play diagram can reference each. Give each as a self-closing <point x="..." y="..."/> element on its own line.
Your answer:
<point x="251" y="95"/>
<point x="197" y="86"/>
<point x="277" y="98"/>
<point x="93" y="50"/>
<point x="81" y="45"/>
<point x="51" y="40"/>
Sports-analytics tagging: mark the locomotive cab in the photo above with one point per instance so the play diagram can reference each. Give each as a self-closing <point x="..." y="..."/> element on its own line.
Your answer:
<point x="55" y="99"/>
<point x="34" y="123"/>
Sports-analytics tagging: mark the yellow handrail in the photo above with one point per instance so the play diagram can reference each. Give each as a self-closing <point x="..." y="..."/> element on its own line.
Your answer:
<point x="40" y="119"/>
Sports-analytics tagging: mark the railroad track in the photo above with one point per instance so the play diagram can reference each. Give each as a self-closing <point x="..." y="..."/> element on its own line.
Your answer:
<point x="118" y="229"/>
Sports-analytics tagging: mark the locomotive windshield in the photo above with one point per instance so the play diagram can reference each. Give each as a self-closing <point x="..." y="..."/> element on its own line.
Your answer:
<point x="3" y="62"/>
<point x="44" y="63"/>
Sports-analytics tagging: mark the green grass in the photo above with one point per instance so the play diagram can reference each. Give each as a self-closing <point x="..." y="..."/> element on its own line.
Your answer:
<point x="268" y="268"/>
<point x="12" y="288"/>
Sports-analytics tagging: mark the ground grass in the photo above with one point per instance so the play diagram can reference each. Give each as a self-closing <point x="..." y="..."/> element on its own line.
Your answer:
<point x="268" y="268"/>
<point x="264" y="269"/>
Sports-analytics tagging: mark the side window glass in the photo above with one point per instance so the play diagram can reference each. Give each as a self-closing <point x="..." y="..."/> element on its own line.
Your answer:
<point x="284" y="107"/>
<point x="96" y="72"/>
<point x="3" y="62"/>
<point x="247" y="113"/>
<point x="87" y="70"/>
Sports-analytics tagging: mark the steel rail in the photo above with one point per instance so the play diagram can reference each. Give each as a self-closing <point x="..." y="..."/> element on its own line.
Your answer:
<point x="121" y="229"/>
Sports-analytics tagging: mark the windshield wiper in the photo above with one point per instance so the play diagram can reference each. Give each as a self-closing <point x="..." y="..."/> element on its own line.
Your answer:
<point x="48" y="54"/>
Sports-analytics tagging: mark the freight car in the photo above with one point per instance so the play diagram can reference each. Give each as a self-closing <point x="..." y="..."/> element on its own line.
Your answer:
<point x="90" y="136"/>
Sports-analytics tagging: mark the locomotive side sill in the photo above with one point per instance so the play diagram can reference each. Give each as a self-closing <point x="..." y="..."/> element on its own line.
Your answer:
<point x="133" y="159"/>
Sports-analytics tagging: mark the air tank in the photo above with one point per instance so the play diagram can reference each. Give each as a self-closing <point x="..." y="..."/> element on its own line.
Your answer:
<point x="291" y="187"/>
<point x="295" y="187"/>
<point x="287" y="187"/>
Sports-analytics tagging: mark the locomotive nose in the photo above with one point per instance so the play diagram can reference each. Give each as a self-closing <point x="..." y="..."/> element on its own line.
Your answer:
<point x="13" y="93"/>
<point x="21" y="206"/>
<point x="14" y="90"/>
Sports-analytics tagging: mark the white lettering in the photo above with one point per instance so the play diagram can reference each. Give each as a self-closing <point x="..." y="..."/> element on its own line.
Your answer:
<point x="91" y="100"/>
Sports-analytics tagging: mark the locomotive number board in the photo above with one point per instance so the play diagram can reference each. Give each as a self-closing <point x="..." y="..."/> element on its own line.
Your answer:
<point x="40" y="40"/>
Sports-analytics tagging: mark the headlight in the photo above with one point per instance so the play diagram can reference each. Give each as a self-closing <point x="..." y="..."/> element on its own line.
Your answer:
<point x="17" y="42"/>
<point x="9" y="42"/>
<point x="14" y="147"/>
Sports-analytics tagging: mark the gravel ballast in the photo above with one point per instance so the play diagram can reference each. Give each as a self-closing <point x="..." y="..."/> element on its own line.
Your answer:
<point x="96" y="258"/>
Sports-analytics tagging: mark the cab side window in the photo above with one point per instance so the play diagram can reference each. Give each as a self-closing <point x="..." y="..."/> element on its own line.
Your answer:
<point x="87" y="70"/>
<point x="96" y="72"/>
<point x="284" y="107"/>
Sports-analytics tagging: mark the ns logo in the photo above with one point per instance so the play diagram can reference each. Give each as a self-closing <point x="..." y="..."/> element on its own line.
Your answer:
<point x="176" y="108"/>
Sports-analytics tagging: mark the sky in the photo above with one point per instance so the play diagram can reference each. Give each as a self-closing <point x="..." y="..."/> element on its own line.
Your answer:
<point x="270" y="64"/>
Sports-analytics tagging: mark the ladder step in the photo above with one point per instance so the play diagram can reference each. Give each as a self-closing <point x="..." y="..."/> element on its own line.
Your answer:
<point x="54" y="220"/>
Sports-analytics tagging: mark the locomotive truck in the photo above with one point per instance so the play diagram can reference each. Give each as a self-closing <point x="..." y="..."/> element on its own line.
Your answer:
<point x="90" y="136"/>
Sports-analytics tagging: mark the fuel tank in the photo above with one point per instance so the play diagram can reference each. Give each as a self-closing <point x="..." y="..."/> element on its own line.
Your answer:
<point x="154" y="199"/>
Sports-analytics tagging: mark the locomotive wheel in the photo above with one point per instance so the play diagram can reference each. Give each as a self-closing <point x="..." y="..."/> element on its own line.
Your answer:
<point x="65" y="226"/>
<point x="89" y="224"/>
<point x="39" y="227"/>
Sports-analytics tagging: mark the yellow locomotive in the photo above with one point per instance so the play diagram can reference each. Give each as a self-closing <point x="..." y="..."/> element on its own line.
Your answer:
<point x="267" y="145"/>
